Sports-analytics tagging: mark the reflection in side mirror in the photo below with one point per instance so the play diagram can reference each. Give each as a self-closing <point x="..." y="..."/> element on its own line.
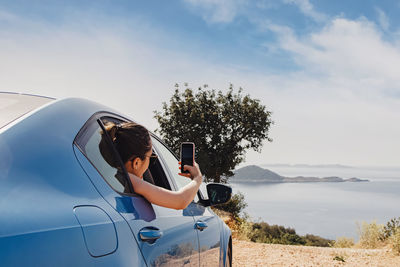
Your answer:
<point x="218" y="193"/>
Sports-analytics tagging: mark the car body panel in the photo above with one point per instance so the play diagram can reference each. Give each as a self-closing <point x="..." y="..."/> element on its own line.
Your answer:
<point x="98" y="230"/>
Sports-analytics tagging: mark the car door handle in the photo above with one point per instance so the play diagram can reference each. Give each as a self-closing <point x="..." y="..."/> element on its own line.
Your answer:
<point x="150" y="234"/>
<point x="201" y="225"/>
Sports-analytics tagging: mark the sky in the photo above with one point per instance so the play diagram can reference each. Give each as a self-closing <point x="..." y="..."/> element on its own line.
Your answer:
<point x="328" y="70"/>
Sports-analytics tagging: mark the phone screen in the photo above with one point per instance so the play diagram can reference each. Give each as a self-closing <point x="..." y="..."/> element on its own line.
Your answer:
<point x="187" y="155"/>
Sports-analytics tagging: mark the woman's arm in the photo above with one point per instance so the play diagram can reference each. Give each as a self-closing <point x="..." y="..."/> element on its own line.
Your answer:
<point x="166" y="198"/>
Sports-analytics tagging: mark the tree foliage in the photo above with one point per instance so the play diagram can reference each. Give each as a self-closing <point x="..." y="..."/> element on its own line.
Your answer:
<point x="222" y="125"/>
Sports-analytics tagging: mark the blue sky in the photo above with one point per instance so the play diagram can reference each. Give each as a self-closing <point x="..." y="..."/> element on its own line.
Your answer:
<point x="329" y="70"/>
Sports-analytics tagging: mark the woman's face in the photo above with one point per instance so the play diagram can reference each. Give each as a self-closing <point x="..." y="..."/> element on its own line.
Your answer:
<point x="138" y="166"/>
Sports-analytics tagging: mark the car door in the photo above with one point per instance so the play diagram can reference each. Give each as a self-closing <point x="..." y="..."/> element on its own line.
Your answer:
<point x="207" y="223"/>
<point x="165" y="236"/>
<point x="209" y="235"/>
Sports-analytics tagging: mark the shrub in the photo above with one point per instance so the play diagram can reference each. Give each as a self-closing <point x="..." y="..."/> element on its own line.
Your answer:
<point x="262" y="232"/>
<point x="391" y="228"/>
<point x="371" y="234"/>
<point x="343" y="242"/>
<point x="317" y="241"/>
<point x="395" y="242"/>
<point x="225" y="216"/>
<point x="234" y="206"/>
<point x="244" y="229"/>
<point x="391" y="233"/>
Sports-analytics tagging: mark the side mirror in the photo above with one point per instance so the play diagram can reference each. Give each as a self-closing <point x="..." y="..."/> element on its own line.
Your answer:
<point x="218" y="194"/>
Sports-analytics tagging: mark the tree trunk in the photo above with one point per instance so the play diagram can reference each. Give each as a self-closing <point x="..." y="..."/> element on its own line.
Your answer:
<point x="217" y="178"/>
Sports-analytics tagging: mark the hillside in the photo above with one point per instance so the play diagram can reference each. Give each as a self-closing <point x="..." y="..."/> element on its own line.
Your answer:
<point x="256" y="174"/>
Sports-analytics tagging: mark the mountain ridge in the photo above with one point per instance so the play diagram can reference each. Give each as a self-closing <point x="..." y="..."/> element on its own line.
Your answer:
<point x="256" y="174"/>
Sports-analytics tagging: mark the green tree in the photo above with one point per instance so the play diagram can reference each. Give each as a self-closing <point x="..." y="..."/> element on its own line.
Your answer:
<point x="222" y="125"/>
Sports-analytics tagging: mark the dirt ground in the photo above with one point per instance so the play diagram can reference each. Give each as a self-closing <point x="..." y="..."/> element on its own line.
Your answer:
<point x="257" y="254"/>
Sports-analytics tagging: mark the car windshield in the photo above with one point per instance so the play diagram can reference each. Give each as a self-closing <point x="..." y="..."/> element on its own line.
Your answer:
<point x="14" y="105"/>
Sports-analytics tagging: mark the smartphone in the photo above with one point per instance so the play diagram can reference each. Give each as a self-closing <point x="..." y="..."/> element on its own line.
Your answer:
<point x="187" y="155"/>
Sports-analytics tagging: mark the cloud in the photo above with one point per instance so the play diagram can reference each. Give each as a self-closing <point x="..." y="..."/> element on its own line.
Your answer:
<point x="217" y="11"/>
<point x="340" y="107"/>
<point x="343" y="100"/>
<point x="382" y="19"/>
<point x="226" y="11"/>
<point x="101" y="62"/>
<point x="307" y="9"/>
<point x="346" y="51"/>
<point x="115" y="63"/>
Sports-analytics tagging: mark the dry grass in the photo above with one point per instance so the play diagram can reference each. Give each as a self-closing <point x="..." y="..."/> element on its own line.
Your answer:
<point x="395" y="243"/>
<point x="371" y="235"/>
<point x="240" y="227"/>
<point x="344" y="242"/>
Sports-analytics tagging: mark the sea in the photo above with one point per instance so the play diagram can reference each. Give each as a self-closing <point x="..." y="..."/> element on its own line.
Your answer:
<point x="329" y="210"/>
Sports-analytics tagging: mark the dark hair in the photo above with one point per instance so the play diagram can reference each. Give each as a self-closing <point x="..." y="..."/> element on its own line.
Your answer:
<point x="129" y="138"/>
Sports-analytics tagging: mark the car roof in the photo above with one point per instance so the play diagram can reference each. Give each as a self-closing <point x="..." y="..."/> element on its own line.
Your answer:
<point x="15" y="105"/>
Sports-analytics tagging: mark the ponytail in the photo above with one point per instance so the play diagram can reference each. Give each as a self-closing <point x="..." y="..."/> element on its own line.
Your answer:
<point x="130" y="140"/>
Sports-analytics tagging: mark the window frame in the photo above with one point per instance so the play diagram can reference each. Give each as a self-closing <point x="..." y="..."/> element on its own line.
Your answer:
<point x="81" y="139"/>
<point x="162" y="161"/>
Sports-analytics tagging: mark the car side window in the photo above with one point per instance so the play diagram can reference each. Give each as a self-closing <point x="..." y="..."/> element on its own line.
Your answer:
<point x="88" y="141"/>
<point x="90" y="148"/>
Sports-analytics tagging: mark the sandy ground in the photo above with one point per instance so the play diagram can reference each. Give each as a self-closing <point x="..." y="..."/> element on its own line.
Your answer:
<point x="257" y="254"/>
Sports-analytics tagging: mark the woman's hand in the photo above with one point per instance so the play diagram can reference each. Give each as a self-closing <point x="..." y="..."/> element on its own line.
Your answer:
<point x="194" y="171"/>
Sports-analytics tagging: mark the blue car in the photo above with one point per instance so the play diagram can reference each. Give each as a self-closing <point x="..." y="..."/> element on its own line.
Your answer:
<point x="62" y="205"/>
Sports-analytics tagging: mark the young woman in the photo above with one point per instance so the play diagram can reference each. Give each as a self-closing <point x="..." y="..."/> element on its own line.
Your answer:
<point x="133" y="143"/>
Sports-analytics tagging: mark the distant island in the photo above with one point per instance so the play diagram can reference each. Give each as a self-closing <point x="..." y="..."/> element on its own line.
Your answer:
<point x="256" y="174"/>
<point x="320" y="166"/>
